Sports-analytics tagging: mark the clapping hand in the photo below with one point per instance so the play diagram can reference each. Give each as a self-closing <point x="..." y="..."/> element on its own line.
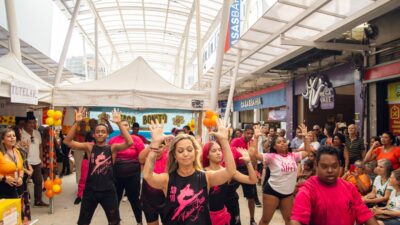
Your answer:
<point x="222" y="132"/>
<point x="245" y="155"/>
<point x="303" y="129"/>
<point x="116" y="116"/>
<point x="257" y="131"/>
<point x="80" y="114"/>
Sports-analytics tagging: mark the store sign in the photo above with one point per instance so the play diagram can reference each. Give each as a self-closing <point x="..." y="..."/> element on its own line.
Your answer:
<point x="24" y="93"/>
<point x="160" y="117"/>
<point x="233" y="33"/>
<point x="197" y="104"/>
<point x="394" y="118"/>
<point x="394" y="92"/>
<point x="277" y="115"/>
<point x="319" y="92"/>
<point x="251" y="102"/>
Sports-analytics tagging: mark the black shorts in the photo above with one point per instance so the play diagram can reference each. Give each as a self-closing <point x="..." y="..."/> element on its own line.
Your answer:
<point x="232" y="205"/>
<point x="269" y="191"/>
<point x="151" y="217"/>
<point x="249" y="190"/>
<point x="108" y="201"/>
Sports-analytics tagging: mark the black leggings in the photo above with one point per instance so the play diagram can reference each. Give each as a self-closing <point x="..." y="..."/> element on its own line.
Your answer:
<point x="131" y="185"/>
<point x="7" y="191"/>
<point x="107" y="200"/>
<point x="232" y="205"/>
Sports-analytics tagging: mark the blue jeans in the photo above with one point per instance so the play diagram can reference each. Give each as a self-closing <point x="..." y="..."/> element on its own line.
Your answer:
<point x="392" y="221"/>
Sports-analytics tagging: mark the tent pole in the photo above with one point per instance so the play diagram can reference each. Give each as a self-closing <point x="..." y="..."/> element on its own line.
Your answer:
<point x="199" y="46"/>
<point x="232" y="88"/>
<point x="184" y="63"/>
<point x="85" y="59"/>
<point x="96" y="49"/>
<point x="13" y="29"/>
<point x="64" y="52"/>
<point x="220" y="55"/>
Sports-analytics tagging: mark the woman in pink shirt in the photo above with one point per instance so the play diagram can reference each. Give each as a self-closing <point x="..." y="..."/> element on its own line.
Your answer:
<point x="278" y="191"/>
<point x="153" y="200"/>
<point x="127" y="171"/>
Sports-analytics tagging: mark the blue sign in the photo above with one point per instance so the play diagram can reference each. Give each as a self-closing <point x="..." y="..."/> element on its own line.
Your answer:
<point x="271" y="99"/>
<point x="234" y="22"/>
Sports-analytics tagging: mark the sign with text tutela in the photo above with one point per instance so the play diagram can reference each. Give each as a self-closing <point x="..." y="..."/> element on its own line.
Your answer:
<point x="24" y="93"/>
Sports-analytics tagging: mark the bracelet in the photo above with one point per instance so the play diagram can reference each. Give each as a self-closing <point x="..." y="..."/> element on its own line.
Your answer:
<point x="153" y="148"/>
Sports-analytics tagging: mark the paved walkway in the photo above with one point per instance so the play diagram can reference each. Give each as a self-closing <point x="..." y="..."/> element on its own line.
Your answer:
<point x="66" y="213"/>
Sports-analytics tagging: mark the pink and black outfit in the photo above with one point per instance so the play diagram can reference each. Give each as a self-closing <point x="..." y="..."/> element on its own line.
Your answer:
<point x="100" y="188"/>
<point x="218" y="212"/>
<point x="127" y="173"/>
<point x="187" y="200"/>
<point x="153" y="200"/>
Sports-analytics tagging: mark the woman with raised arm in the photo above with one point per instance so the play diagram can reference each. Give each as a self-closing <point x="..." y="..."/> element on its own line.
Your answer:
<point x="100" y="187"/>
<point x="212" y="161"/>
<point x="184" y="184"/>
<point x="278" y="191"/>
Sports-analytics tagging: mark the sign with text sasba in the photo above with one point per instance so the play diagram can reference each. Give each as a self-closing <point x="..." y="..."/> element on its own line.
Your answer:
<point x="251" y="102"/>
<point x="319" y="92"/>
<point x="24" y="93"/>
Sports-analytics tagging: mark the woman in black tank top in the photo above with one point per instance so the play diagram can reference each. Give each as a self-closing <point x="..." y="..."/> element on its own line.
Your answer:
<point x="185" y="185"/>
<point x="212" y="161"/>
<point x="99" y="188"/>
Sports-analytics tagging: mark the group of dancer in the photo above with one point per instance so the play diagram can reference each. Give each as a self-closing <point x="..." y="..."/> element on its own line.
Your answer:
<point x="187" y="182"/>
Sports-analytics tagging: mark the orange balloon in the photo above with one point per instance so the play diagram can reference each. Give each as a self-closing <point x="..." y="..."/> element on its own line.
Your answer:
<point x="56" y="189"/>
<point x="57" y="181"/>
<point x="51" y="154"/>
<point x="209" y="114"/>
<point x="48" y="184"/>
<point x="49" y="193"/>
<point x="56" y="117"/>
<point x="51" y="166"/>
<point x="214" y="119"/>
<point x="207" y="122"/>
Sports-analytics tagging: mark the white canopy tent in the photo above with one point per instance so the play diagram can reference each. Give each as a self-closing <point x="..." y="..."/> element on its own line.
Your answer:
<point x="136" y="85"/>
<point x="13" y="69"/>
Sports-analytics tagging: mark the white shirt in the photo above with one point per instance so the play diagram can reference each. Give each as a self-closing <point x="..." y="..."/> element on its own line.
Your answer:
<point x="394" y="200"/>
<point x="34" y="150"/>
<point x="379" y="187"/>
<point x="283" y="171"/>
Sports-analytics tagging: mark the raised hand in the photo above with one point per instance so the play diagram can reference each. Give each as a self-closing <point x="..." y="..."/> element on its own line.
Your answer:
<point x="80" y="114"/>
<point x="257" y="131"/>
<point x="245" y="155"/>
<point x="303" y="129"/>
<point x="116" y="116"/>
<point x="222" y="132"/>
<point x="157" y="132"/>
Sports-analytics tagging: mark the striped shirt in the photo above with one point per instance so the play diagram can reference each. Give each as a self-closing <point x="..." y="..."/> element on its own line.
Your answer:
<point x="355" y="147"/>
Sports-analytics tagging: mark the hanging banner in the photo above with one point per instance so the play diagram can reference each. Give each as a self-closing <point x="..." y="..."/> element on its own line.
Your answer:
<point x="394" y="118"/>
<point x="233" y="32"/>
<point x="24" y="93"/>
<point x="394" y="92"/>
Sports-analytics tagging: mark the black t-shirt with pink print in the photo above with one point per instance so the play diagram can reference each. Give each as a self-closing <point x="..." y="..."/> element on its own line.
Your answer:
<point x="100" y="176"/>
<point x="187" y="200"/>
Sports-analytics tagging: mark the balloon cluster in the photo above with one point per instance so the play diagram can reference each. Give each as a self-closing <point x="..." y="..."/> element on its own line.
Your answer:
<point x="53" y="187"/>
<point x="191" y="125"/>
<point x="54" y="117"/>
<point x="211" y="119"/>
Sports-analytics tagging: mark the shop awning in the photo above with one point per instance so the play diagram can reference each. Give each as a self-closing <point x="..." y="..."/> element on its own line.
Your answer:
<point x="304" y="20"/>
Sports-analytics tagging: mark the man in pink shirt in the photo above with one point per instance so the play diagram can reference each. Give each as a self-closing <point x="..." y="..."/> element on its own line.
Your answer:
<point x="249" y="190"/>
<point x="326" y="199"/>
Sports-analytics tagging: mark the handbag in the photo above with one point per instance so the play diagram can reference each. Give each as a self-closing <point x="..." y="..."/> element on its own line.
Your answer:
<point x="126" y="167"/>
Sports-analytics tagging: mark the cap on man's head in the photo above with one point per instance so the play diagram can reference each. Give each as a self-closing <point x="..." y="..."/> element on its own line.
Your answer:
<point x="135" y="125"/>
<point x="30" y="116"/>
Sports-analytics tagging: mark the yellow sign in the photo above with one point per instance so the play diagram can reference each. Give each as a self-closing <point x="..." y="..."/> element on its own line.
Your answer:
<point x="10" y="211"/>
<point x="394" y="92"/>
<point x="7" y="120"/>
<point x="160" y="117"/>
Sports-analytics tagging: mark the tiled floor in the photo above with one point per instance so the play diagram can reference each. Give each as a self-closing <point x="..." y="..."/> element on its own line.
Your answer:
<point x="66" y="213"/>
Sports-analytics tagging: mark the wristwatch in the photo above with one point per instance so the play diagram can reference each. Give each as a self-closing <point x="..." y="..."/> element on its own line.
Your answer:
<point x="3" y="179"/>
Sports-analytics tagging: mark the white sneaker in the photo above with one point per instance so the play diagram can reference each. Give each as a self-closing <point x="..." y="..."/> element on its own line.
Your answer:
<point x="124" y="199"/>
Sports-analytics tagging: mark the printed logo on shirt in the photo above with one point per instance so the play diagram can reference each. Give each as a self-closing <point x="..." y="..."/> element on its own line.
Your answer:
<point x="288" y="167"/>
<point x="190" y="204"/>
<point x="215" y="190"/>
<point x="101" y="164"/>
